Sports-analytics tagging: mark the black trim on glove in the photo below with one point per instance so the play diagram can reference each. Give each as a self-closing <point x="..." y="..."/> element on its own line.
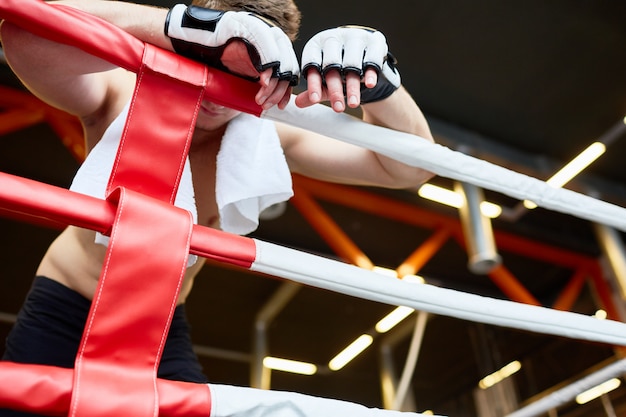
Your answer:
<point x="213" y="56"/>
<point x="204" y="19"/>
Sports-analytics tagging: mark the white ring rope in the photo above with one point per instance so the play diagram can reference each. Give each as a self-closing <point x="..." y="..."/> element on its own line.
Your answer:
<point x="568" y="393"/>
<point x="414" y="151"/>
<point x="445" y="162"/>
<point x="348" y="279"/>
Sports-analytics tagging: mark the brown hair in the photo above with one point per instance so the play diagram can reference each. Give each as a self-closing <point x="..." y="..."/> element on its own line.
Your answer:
<point x="284" y="13"/>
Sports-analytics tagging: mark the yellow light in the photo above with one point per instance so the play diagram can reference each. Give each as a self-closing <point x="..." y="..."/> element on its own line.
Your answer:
<point x="350" y="352"/>
<point x="392" y="319"/>
<point x="287" y="365"/>
<point x="385" y="271"/>
<point x="576" y="165"/>
<point x="601" y="315"/>
<point x="453" y="199"/>
<point x="573" y="168"/>
<point x="490" y="210"/>
<point x="440" y="195"/>
<point x="504" y="372"/>
<point x="598" y="390"/>
<point x="413" y="279"/>
<point x="529" y="205"/>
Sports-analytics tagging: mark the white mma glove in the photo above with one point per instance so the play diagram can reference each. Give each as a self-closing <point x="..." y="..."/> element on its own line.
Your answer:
<point x="202" y="34"/>
<point x="354" y="49"/>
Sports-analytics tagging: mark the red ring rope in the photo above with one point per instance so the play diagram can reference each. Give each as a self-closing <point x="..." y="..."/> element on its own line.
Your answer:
<point x="125" y="331"/>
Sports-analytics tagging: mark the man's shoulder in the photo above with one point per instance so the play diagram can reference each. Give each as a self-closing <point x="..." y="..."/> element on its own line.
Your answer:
<point x="121" y="85"/>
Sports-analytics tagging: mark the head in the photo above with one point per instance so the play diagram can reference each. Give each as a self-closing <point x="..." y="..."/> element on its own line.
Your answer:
<point x="284" y="13"/>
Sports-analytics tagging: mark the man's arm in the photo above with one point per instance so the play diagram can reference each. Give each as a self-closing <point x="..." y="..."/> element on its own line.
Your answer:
<point x="400" y="112"/>
<point x="327" y="159"/>
<point x="148" y="23"/>
<point x="76" y="82"/>
<point x="71" y="79"/>
<point x="144" y="22"/>
<point x="61" y="75"/>
<point x="362" y="74"/>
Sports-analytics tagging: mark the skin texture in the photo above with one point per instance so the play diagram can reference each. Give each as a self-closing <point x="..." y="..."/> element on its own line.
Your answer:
<point x="96" y="92"/>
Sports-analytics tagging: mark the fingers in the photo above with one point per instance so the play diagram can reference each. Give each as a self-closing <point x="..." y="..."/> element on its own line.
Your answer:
<point x="273" y="91"/>
<point x="314" y="86"/>
<point x="331" y="87"/>
<point x="314" y="93"/>
<point x="343" y="65"/>
<point x="353" y="89"/>
<point x="370" y="78"/>
<point x="285" y="100"/>
<point x="334" y="87"/>
<point x="334" y="72"/>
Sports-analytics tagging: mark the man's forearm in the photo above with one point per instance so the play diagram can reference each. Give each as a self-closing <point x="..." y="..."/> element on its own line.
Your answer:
<point x="142" y="21"/>
<point x="398" y="112"/>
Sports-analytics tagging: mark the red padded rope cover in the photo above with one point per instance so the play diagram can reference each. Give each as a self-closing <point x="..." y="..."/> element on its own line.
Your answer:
<point x="49" y="390"/>
<point x="58" y="206"/>
<point x="131" y="310"/>
<point x="115" y="372"/>
<point x="156" y="138"/>
<point x="100" y="38"/>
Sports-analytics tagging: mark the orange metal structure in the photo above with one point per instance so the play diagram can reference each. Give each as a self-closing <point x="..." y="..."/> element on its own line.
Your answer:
<point x="21" y="110"/>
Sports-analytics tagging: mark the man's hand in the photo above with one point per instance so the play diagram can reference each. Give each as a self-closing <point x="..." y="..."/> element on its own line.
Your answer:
<point x="241" y="43"/>
<point x="348" y="64"/>
<point x="273" y="91"/>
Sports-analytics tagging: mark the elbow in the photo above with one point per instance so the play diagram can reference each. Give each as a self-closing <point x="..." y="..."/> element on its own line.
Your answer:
<point x="7" y="32"/>
<point x="408" y="178"/>
<point x="12" y="36"/>
<point x="419" y="177"/>
<point x="427" y="176"/>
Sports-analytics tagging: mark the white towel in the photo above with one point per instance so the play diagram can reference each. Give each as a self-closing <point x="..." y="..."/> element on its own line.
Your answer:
<point x="251" y="175"/>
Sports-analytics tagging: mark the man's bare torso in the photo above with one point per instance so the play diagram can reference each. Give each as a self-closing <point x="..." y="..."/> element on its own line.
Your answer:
<point x="75" y="260"/>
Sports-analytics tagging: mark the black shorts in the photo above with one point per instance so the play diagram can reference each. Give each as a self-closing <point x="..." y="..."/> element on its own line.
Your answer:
<point x="49" y="329"/>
